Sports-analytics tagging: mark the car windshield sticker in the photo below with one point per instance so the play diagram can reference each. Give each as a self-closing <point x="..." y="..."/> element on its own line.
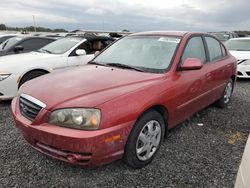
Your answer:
<point x="169" y="39"/>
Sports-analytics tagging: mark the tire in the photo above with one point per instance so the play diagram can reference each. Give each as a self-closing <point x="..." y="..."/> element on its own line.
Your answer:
<point x="226" y="96"/>
<point x="30" y="76"/>
<point x="142" y="145"/>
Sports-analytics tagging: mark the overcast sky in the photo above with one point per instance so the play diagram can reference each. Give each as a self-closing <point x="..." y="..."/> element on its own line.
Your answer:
<point x="134" y="15"/>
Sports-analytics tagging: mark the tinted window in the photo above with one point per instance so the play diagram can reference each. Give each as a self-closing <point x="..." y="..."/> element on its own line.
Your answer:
<point x="34" y="44"/>
<point x="214" y="48"/>
<point x="195" y="49"/>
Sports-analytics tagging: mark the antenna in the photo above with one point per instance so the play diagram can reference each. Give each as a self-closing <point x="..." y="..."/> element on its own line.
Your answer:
<point x="34" y="21"/>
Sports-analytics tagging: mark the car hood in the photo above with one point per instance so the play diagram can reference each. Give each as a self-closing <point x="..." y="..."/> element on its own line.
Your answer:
<point x="12" y="62"/>
<point x="240" y="55"/>
<point x="86" y="86"/>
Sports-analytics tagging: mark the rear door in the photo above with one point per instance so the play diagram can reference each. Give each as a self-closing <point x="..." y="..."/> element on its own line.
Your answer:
<point x="219" y="67"/>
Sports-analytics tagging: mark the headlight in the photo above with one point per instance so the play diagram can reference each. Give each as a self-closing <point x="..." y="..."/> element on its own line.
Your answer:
<point x="247" y="62"/>
<point x="3" y="76"/>
<point x="76" y="118"/>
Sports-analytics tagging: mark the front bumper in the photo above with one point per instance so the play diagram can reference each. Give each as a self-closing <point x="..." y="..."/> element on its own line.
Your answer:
<point x="243" y="71"/>
<point x="86" y="148"/>
<point x="9" y="87"/>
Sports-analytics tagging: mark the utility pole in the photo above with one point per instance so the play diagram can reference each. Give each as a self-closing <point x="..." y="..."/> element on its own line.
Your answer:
<point x="34" y="21"/>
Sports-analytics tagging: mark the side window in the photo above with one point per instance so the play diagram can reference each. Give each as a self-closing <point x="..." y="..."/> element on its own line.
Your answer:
<point x="214" y="48"/>
<point x="97" y="45"/>
<point x="107" y="42"/>
<point x="223" y="51"/>
<point x="34" y="44"/>
<point x="85" y="46"/>
<point x="194" y="49"/>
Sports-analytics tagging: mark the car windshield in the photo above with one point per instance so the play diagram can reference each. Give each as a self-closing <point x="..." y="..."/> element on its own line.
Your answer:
<point x="238" y="45"/>
<point x="147" y="53"/>
<point x="60" y="46"/>
<point x="9" y="43"/>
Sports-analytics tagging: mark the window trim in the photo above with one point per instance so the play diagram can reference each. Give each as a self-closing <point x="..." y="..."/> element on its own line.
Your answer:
<point x="184" y="48"/>
<point x="221" y="45"/>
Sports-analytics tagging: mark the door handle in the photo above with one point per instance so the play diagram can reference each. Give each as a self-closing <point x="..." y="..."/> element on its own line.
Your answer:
<point x="208" y="76"/>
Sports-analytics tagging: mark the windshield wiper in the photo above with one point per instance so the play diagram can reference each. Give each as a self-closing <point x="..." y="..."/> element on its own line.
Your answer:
<point x="96" y="63"/>
<point x="44" y="50"/>
<point x="3" y="45"/>
<point x="125" y="66"/>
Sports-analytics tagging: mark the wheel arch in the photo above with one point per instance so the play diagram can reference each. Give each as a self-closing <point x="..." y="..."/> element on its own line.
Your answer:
<point x="162" y="110"/>
<point x="29" y="71"/>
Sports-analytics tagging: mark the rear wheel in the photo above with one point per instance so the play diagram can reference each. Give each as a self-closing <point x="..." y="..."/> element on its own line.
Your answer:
<point x="30" y="76"/>
<point x="225" y="98"/>
<point x="145" y="140"/>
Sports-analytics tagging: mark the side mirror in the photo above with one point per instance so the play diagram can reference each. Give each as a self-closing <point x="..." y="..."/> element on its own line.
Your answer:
<point x="97" y="53"/>
<point x="18" y="48"/>
<point x="191" y="64"/>
<point x="80" y="52"/>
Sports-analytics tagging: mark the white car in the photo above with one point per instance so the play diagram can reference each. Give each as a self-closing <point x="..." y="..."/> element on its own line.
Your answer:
<point x="240" y="49"/>
<point x="243" y="176"/>
<point x="66" y="52"/>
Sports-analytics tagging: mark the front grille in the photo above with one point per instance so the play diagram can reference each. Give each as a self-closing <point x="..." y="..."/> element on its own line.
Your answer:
<point x="1" y="94"/>
<point x="28" y="108"/>
<point x="239" y="73"/>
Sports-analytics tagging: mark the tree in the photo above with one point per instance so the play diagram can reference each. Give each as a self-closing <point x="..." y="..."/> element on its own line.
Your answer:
<point x="2" y="27"/>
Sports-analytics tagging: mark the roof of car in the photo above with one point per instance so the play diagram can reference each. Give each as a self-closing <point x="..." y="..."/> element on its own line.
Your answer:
<point x="90" y="37"/>
<point x="174" y="33"/>
<point x="31" y="36"/>
<point x="240" y="38"/>
<point x="167" y="33"/>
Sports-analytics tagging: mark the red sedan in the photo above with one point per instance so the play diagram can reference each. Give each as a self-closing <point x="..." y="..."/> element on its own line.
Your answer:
<point x="123" y="102"/>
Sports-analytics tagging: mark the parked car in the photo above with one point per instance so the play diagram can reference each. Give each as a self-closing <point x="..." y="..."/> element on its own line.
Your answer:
<point x="240" y="49"/>
<point x="66" y="52"/>
<point x="23" y="44"/>
<point x="123" y="102"/>
<point x="223" y="36"/>
<point x="243" y="176"/>
<point x="4" y="37"/>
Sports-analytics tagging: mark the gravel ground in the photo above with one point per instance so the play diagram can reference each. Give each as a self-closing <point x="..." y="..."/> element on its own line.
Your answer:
<point x="191" y="156"/>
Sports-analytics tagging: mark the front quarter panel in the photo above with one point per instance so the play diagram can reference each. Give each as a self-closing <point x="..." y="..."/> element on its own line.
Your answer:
<point x="131" y="106"/>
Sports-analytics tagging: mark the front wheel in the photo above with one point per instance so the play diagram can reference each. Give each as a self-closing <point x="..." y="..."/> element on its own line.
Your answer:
<point x="145" y="140"/>
<point x="225" y="98"/>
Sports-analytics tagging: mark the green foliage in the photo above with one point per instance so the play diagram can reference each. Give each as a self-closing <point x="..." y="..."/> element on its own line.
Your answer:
<point x="30" y="28"/>
<point x="242" y="33"/>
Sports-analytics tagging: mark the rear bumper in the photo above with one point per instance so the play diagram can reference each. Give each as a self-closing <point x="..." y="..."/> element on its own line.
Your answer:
<point x="86" y="148"/>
